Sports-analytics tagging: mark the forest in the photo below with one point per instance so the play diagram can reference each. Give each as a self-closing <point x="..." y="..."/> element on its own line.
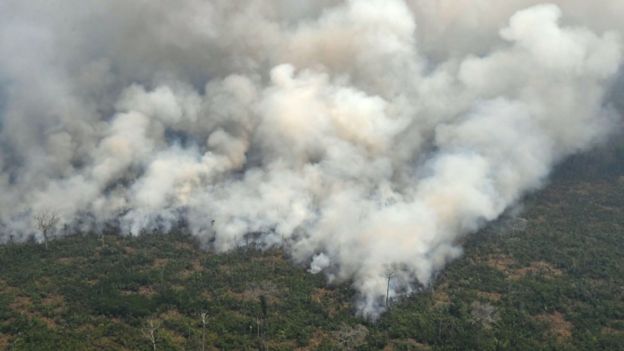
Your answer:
<point x="547" y="277"/>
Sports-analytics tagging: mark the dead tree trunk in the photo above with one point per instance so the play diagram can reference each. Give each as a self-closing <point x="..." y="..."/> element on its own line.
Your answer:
<point x="46" y="221"/>
<point x="389" y="276"/>
<point x="204" y="318"/>
<point x="150" y="332"/>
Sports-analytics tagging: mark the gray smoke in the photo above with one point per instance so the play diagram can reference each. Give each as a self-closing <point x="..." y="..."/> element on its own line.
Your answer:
<point x="364" y="136"/>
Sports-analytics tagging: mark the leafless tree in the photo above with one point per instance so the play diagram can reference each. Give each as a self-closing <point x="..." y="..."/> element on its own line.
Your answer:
<point x="351" y="337"/>
<point x="434" y="278"/>
<point x="484" y="313"/>
<point x="389" y="275"/>
<point x="204" y="319"/>
<point x="46" y="222"/>
<point x="150" y="332"/>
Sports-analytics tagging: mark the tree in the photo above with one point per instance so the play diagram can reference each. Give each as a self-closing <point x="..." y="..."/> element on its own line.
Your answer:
<point x="389" y="275"/>
<point x="46" y="221"/>
<point x="150" y="332"/>
<point x="263" y="306"/>
<point x="351" y="337"/>
<point x="484" y="313"/>
<point x="204" y="319"/>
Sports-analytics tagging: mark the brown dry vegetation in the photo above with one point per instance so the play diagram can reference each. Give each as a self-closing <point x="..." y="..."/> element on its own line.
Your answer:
<point x="21" y="304"/>
<point x="5" y="341"/>
<point x="542" y="268"/>
<point x="491" y="296"/>
<point x="267" y="289"/>
<point x="407" y="344"/>
<point x="441" y="298"/>
<point x="95" y="293"/>
<point x="558" y="326"/>
<point x="512" y="269"/>
<point x="316" y="339"/>
<point x="501" y="262"/>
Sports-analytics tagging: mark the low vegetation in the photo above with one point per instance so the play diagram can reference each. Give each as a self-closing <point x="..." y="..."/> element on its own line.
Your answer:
<point x="552" y="279"/>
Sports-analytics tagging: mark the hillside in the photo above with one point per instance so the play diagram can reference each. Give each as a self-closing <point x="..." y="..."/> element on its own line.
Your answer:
<point x="552" y="278"/>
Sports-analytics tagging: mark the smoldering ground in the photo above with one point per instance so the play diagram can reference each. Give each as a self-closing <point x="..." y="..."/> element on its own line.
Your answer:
<point x="365" y="136"/>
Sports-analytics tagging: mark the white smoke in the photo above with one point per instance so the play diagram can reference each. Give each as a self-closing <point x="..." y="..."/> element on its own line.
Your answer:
<point x="365" y="136"/>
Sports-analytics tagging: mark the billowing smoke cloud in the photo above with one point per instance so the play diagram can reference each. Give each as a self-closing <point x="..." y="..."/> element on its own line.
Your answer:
<point x="364" y="136"/>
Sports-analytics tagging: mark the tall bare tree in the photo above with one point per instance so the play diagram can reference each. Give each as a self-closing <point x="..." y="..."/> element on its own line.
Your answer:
<point x="46" y="222"/>
<point x="204" y="319"/>
<point x="389" y="275"/>
<point x="150" y="331"/>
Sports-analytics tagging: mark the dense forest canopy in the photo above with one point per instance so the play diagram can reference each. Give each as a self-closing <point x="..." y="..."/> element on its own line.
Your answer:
<point x="366" y="138"/>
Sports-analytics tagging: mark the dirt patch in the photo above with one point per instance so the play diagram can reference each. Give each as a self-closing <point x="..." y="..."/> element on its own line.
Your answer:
<point x="194" y="267"/>
<point x="207" y="295"/>
<point x="21" y="304"/>
<point x="328" y="300"/>
<point x="270" y="258"/>
<point x="51" y="324"/>
<point x="5" y="341"/>
<point x="502" y="263"/>
<point x="171" y="315"/>
<point x="71" y="261"/>
<point x="56" y="302"/>
<point x="315" y="341"/>
<point x="53" y="300"/>
<point x="406" y="344"/>
<point x="183" y="246"/>
<point x="611" y="331"/>
<point x="491" y="296"/>
<point x="558" y="326"/>
<point x="267" y="289"/>
<point x="542" y="268"/>
<point x="66" y="260"/>
<point x="319" y="294"/>
<point x="177" y="288"/>
<point x="146" y="290"/>
<point x="508" y="266"/>
<point x="160" y="262"/>
<point x="281" y="345"/>
<point x="441" y="299"/>
<point x="24" y="306"/>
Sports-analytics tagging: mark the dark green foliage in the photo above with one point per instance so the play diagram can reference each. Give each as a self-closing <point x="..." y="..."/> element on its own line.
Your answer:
<point x="554" y="285"/>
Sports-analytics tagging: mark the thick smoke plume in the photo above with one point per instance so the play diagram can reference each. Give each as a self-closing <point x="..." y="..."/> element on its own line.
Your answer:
<point x="365" y="136"/>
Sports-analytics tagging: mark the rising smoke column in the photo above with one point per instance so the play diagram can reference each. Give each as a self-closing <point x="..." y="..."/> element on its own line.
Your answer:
<point x="364" y="136"/>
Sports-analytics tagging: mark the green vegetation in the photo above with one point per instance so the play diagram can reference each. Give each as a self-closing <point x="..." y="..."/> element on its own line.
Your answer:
<point x="554" y="281"/>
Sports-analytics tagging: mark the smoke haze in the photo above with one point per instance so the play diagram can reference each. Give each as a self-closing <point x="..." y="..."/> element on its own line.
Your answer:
<point x="364" y="136"/>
